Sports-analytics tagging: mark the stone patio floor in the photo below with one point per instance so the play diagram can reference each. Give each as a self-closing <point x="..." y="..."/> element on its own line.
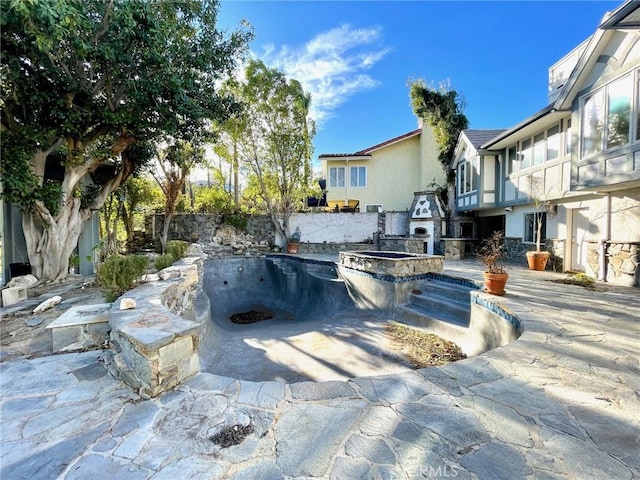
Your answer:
<point x="562" y="402"/>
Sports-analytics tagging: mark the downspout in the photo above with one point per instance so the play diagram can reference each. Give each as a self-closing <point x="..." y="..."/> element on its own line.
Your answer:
<point x="604" y="243"/>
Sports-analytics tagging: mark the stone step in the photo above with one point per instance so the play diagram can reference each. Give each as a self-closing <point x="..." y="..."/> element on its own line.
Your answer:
<point x="448" y="289"/>
<point x="435" y="304"/>
<point x="447" y="326"/>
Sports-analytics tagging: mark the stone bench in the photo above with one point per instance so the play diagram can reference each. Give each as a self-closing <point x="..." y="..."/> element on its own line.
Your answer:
<point x="80" y="327"/>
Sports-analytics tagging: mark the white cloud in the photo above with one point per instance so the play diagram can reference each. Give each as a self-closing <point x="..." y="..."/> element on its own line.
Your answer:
<point x="331" y="66"/>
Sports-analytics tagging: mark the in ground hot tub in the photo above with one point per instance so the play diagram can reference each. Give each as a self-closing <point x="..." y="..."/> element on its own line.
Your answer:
<point x="393" y="264"/>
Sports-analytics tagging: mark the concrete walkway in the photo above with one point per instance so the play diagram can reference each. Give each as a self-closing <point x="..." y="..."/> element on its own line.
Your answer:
<point x="561" y="402"/>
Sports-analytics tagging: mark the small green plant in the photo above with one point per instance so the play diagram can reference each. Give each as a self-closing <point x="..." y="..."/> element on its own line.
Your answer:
<point x="118" y="273"/>
<point x="164" y="261"/>
<point x="579" y="279"/>
<point x="177" y="248"/>
<point x="237" y="220"/>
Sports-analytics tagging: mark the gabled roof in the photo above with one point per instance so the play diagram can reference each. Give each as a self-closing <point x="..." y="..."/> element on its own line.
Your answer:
<point x="627" y="16"/>
<point x="367" y="151"/>
<point x="480" y="137"/>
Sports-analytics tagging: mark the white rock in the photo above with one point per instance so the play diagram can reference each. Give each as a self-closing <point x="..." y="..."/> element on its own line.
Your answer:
<point x="47" y="304"/>
<point x="149" y="277"/>
<point x="127" y="304"/>
<point x="22" y="281"/>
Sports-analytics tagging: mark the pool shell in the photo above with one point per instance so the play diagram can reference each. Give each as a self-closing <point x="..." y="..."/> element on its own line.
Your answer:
<point x="316" y="314"/>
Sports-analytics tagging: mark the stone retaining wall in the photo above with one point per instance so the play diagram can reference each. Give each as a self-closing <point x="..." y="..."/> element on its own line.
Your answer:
<point x="154" y="346"/>
<point x="622" y="262"/>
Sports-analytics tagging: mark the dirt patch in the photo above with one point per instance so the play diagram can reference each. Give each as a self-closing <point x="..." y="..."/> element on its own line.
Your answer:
<point x="233" y="435"/>
<point x="423" y="349"/>
<point x="249" y="317"/>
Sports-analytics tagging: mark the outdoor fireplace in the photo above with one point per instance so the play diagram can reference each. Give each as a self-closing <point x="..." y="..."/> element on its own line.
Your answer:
<point x="426" y="218"/>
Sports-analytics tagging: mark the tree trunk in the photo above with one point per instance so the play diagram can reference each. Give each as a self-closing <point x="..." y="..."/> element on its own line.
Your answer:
<point x="165" y="232"/>
<point x="49" y="247"/>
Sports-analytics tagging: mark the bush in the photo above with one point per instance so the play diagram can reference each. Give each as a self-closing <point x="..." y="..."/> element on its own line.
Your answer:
<point x="164" y="261"/>
<point x="118" y="273"/>
<point x="176" y="248"/>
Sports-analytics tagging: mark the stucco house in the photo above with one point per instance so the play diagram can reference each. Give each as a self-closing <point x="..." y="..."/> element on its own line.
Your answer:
<point x="580" y="154"/>
<point x="385" y="176"/>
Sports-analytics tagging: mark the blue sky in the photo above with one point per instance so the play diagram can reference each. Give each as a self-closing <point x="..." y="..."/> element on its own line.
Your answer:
<point x="356" y="58"/>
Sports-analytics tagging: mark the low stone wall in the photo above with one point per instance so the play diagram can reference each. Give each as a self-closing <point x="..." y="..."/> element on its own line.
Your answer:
<point x="332" y="248"/>
<point x="154" y="346"/>
<point x="392" y="264"/>
<point x="404" y="244"/>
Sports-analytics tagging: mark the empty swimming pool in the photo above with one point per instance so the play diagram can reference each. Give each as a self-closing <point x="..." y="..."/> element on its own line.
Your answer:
<point x="315" y="333"/>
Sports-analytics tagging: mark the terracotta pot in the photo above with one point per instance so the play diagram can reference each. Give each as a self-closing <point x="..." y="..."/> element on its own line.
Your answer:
<point x="494" y="283"/>
<point x="537" y="260"/>
<point x="292" y="248"/>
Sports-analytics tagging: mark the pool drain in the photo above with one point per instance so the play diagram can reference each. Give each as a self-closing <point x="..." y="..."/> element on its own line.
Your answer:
<point x="233" y="435"/>
<point x="251" y="316"/>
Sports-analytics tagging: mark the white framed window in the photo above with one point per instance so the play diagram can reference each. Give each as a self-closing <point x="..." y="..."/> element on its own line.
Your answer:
<point x="553" y="143"/>
<point x="374" y="208"/>
<point x="467" y="176"/>
<point x="567" y="138"/>
<point x="336" y="177"/>
<point x="531" y="226"/>
<point x="538" y="149"/>
<point x="512" y="166"/>
<point x="606" y="117"/>
<point x="358" y="176"/>
<point x="525" y="154"/>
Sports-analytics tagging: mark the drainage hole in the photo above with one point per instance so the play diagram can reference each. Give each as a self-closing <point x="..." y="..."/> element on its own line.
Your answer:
<point x="225" y="282"/>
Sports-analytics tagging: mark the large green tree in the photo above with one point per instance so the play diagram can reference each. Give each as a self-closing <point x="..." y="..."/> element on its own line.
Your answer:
<point x="86" y="86"/>
<point x="275" y="144"/>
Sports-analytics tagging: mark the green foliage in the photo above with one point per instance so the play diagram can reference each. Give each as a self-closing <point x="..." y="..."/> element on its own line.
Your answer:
<point x="442" y="109"/>
<point x="213" y="199"/>
<point x="237" y="220"/>
<point x="177" y="248"/>
<point x="118" y="273"/>
<point x="164" y="261"/>
<point x="275" y="143"/>
<point x="97" y="82"/>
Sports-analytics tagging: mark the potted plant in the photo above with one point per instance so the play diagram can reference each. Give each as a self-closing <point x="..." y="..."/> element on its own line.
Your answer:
<point x="537" y="260"/>
<point x="492" y="252"/>
<point x="293" y="241"/>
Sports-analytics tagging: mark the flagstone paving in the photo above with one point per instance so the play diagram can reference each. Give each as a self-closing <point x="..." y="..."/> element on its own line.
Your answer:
<point x="562" y="402"/>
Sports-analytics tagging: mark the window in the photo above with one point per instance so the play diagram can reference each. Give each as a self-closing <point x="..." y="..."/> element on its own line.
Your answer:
<point x="513" y="160"/>
<point x="538" y="149"/>
<point x="358" y="176"/>
<point x="638" y="108"/>
<point x="619" y="103"/>
<point x="567" y="138"/>
<point x="371" y="208"/>
<point x="467" y="176"/>
<point x="531" y="226"/>
<point x="336" y="177"/>
<point x="525" y="154"/>
<point x="606" y="117"/>
<point x="553" y="143"/>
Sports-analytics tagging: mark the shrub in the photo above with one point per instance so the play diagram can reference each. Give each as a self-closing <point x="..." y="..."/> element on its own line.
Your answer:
<point x="118" y="273"/>
<point x="176" y="248"/>
<point x="164" y="261"/>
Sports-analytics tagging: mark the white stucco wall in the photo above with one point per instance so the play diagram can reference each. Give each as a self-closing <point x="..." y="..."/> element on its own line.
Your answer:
<point x="335" y="227"/>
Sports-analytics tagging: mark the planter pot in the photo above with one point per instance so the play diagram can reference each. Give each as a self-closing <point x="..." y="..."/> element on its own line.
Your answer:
<point x="292" y="248"/>
<point x="19" y="269"/>
<point x="494" y="283"/>
<point x="537" y="260"/>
